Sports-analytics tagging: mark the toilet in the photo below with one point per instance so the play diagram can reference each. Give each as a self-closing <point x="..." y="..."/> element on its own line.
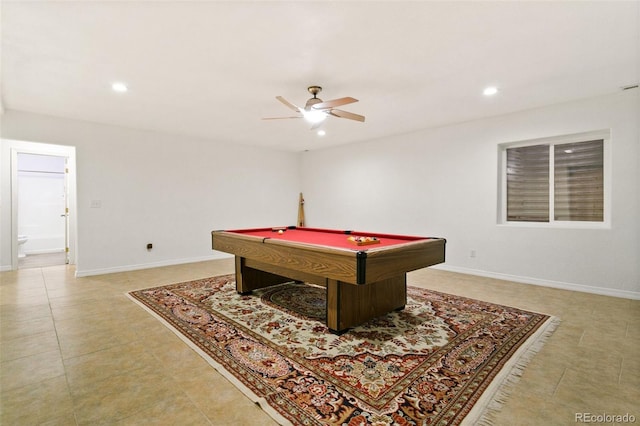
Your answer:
<point x="21" y="240"/>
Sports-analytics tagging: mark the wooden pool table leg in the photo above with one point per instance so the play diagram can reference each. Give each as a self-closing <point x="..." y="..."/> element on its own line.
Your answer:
<point x="349" y="305"/>
<point x="248" y="279"/>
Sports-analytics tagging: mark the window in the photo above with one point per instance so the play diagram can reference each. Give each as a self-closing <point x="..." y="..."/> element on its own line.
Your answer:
<point x="555" y="180"/>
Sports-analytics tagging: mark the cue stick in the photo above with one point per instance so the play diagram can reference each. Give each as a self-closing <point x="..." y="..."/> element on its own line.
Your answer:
<point x="301" y="211"/>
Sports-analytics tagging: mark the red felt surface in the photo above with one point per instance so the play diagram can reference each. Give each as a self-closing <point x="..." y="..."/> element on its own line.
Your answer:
<point x="327" y="237"/>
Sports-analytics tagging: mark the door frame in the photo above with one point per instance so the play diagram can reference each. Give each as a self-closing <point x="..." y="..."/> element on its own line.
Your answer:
<point x="69" y="153"/>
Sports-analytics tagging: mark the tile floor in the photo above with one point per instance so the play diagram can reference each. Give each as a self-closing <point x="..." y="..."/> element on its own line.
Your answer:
<point x="77" y="351"/>
<point x="42" y="260"/>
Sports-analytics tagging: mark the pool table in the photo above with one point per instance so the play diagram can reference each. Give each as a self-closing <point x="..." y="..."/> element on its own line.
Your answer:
<point x="364" y="273"/>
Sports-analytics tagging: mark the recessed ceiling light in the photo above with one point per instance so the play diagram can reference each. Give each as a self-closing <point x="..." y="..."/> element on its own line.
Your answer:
<point x="321" y="133"/>
<point x="490" y="91"/>
<point x="119" y="87"/>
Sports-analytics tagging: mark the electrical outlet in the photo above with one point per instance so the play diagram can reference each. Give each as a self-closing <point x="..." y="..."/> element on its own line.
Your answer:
<point x="149" y="246"/>
<point x="472" y="253"/>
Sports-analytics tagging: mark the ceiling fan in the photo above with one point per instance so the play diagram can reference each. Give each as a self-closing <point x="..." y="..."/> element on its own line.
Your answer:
<point x="316" y="110"/>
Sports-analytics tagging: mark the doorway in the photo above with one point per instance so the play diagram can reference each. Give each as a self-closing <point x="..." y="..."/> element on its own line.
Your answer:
<point x="43" y="205"/>
<point x="42" y="210"/>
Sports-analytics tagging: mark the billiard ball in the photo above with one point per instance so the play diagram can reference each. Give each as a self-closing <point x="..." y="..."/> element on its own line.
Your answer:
<point x="281" y="232"/>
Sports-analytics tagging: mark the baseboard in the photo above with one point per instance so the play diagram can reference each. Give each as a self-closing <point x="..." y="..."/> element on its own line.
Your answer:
<point x="126" y="268"/>
<point x="544" y="283"/>
<point x="5" y="268"/>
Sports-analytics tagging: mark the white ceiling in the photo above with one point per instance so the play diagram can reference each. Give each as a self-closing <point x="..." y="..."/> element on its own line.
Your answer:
<point x="212" y="69"/>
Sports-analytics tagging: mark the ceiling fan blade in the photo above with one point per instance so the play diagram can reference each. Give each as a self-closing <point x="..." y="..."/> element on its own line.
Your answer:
<point x="277" y="118"/>
<point x="346" y="114"/>
<point x="334" y="103"/>
<point x="289" y="104"/>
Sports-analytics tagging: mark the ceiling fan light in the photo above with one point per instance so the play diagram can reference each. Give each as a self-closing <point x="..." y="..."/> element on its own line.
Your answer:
<point x="490" y="91"/>
<point x="314" y="116"/>
<point x="119" y="87"/>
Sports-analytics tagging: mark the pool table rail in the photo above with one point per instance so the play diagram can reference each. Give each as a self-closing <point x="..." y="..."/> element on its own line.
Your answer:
<point x="354" y="266"/>
<point x="278" y="257"/>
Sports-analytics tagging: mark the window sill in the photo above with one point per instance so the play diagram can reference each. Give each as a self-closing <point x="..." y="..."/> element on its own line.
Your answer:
<point x="557" y="225"/>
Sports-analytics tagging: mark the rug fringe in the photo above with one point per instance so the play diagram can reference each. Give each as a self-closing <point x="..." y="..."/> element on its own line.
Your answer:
<point x="501" y="389"/>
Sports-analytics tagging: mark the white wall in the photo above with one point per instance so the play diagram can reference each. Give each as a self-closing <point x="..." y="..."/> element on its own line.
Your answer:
<point x="172" y="191"/>
<point x="168" y="190"/>
<point x="443" y="182"/>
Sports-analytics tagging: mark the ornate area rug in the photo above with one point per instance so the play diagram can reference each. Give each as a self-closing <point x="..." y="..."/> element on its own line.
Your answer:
<point x="443" y="360"/>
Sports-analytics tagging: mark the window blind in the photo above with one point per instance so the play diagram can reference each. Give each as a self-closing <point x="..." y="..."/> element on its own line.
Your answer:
<point x="528" y="183"/>
<point x="579" y="181"/>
